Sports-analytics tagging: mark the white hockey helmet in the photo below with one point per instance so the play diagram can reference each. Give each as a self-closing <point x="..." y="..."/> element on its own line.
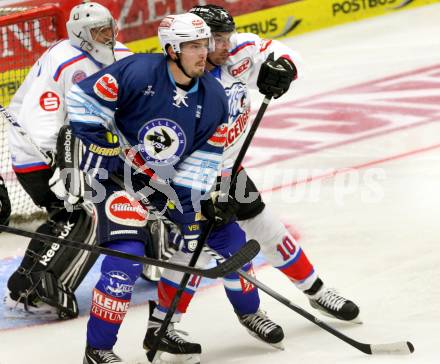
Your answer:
<point x="85" y="17"/>
<point x="177" y="29"/>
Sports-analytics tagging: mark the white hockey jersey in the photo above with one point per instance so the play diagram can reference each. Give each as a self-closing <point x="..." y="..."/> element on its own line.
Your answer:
<point x="248" y="52"/>
<point x="39" y="104"/>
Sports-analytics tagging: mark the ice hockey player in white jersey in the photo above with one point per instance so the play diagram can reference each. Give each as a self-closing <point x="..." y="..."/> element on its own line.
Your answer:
<point x="241" y="61"/>
<point x="55" y="272"/>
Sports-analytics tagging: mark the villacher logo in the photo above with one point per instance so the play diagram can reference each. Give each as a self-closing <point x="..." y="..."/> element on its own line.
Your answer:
<point x="163" y="141"/>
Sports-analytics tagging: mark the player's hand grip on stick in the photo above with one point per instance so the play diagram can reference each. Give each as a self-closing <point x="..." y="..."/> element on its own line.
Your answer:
<point x="276" y="76"/>
<point x="220" y="208"/>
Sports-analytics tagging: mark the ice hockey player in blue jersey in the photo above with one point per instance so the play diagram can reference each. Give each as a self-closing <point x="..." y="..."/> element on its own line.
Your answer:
<point x="242" y="61"/>
<point x="173" y="114"/>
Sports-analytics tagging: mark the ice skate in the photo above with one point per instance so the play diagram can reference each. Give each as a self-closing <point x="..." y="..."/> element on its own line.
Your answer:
<point x="98" y="356"/>
<point x="330" y="303"/>
<point x="172" y="348"/>
<point x="263" y="328"/>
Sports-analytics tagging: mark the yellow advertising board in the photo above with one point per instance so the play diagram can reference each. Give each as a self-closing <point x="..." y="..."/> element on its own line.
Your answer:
<point x="303" y="16"/>
<point x="309" y="15"/>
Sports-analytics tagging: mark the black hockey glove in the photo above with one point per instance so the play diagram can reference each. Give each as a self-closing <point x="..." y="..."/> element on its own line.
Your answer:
<point x="275" y="76"/>
<point x="220" y="207"/>
<point x="5" y="204"/>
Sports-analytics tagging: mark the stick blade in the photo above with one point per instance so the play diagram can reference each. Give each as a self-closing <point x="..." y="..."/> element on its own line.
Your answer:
<point x="248" y="252"/>
<point x="401" y="347"/>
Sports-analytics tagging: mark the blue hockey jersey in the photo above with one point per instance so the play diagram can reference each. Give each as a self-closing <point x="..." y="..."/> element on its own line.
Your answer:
<point x="179" y="134"/>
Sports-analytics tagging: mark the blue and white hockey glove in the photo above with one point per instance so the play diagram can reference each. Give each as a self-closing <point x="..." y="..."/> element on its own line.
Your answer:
<point x="190" y="227"/>
<point x="191" y="235"/>
<point x="101" y="154"/>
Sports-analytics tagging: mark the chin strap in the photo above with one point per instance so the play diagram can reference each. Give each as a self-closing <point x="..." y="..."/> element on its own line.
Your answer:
<point x="212" y="63"/>
<point x="179" y="64"/>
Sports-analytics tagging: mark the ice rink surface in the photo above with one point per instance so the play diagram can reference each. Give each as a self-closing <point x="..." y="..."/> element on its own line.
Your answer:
<point x="357" y="174"/>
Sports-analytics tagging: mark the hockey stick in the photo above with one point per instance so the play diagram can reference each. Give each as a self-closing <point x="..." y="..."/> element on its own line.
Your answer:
<point x="20" y="130"/>
<point x="204" y="237"/>
<point x="244" y="255"/>
<point x="400" y="347"/>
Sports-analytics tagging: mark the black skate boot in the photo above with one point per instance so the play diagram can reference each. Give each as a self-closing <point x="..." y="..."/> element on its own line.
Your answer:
<point x="330" y="303"/>
<point x="172" y="348"/>
<point x="98" y="356"/>
<point x="264" y="329"/>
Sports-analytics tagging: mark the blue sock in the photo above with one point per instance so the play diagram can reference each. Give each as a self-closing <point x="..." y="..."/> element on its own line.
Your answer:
<point x="112" y="294"/>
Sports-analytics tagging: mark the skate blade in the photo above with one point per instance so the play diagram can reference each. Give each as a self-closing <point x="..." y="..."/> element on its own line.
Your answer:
<point x="22" y="314"/>
<point x="279" y="345"/>
<point x="163" y="357"/>
<point x="17" y="310"/>
<point x="357" y="320"/>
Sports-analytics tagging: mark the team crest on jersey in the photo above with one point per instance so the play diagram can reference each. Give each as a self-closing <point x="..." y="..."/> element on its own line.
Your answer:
<point x="50" y="101"/>
<point x="122" y="209"/>
<point x="78" y="76"/>
<point x="239" y="110"/>
<point x="163" y="141"/>
<point x="106" y="88"/>
<point x="238" y="99"/>
<point x="240" y="68"/>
